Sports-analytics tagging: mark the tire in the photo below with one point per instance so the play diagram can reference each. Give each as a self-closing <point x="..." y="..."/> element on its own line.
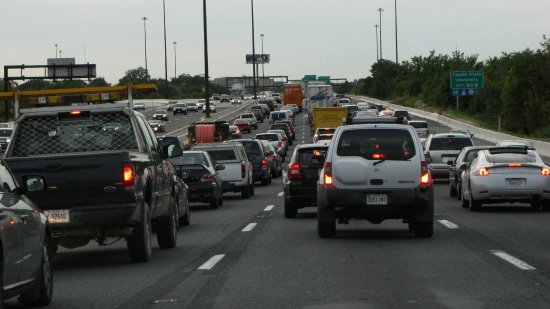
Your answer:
<point x="474" y="205"/>
<point x="42" y="292"/>
<point x="290" y="210"/>
<point x="245" y="192"/>
<point x="256" y="127"/>
<point x="458" y="191"/>
<point x="465" y="203"/>
<point x="265" y="181"/>
<point x="536" y="206"/>
<point x="274" y="173"/>
<point x="423" y="229"/>
<point x="186" y="220"/>
<point x="280" y="171"/>
<point x="452" y="189"/>
<point x="214" y="202"/>
<point x="252" y="189"/>
<point x="140" y="245"/>
<point x="220" y="200"/>
<point x="167" y="234"/>
<point x="326" y="229"/>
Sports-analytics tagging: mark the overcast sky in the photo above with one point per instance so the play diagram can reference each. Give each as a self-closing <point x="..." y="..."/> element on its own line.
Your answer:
<point x="322" y="37"/>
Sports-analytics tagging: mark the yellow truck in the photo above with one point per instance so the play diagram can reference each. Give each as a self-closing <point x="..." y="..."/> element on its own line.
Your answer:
<point x="327" y="117"/>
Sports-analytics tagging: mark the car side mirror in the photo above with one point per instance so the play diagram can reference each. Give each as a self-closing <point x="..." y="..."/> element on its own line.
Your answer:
<point x="220" y="167"/>
<point x="428" y="157"/>
<point x="33" y="183"/>
<point x="464" y="166"/>
<point x="172" y="150"/>
<point x="318" y="161"/>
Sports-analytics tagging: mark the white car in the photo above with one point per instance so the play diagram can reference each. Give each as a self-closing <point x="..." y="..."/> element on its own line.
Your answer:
<point x="140" y="106"/>
<point x="363" y="106"/>
<point x="201" y="103"/>
<point x="212" y="107"/>
<point x="506" y="174"/>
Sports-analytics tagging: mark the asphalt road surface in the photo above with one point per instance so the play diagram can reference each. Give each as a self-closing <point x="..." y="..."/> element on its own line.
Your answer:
<point x="247" y="255"/>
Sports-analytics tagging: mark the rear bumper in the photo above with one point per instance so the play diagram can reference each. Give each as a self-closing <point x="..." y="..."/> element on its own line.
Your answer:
<point x="233" y="186"/>
<point x="259" y="174"/>
<point x="301" y="196"/>
<point x="201" y="192"/>
<point x="439" y="171"/>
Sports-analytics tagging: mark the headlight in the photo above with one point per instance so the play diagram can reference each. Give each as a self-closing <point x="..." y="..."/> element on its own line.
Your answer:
<point x="8" y="140"/>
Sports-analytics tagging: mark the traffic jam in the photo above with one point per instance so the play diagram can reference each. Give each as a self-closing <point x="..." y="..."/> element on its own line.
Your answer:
<point x="83" y="178"/>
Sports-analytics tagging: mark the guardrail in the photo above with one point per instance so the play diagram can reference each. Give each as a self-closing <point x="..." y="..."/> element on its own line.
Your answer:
<point x="543" y="148"/>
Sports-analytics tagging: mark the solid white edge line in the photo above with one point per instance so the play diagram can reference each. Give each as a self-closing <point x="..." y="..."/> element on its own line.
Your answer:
<point x="280" y="194"/>
<point x="448" y="224"/>
<point x="249" y="227"/>
<point x="211" y="262"/>
<point x="269" y="207"/>
<point x="512" y="260"/>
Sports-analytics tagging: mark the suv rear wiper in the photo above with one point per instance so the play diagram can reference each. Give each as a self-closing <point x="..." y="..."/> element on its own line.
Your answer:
<point x="378" y="162"/>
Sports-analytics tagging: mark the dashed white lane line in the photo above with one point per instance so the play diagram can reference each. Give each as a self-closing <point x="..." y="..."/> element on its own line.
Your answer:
<point x="249" y="227"/>
<point x="211" y="262"/>
<point x="448" y="224"/>
<point x="512" y="260"/>
<point x="280" y="194"/>
<point x="269" y="207"/>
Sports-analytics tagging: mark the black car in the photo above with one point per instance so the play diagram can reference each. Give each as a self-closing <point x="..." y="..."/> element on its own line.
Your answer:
<point x="201" y="175"/>
<point x="269" y="104"/>
<point x="257" y="154"/>
<point x="284" y="127"/>
<point x="26" y="244"/>
<point x="157" y="125"/>
<point x="455" y="171"/>
<point x="258" y="114"/>
<point x="225" y="98"/>
<point x="300" y="180"/>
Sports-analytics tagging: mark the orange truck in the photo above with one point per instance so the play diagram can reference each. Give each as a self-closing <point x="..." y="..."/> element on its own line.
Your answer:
<point x="293" y="95"/>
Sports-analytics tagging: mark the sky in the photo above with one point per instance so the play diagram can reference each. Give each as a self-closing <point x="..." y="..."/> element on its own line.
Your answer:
<point x="321" y="37"/>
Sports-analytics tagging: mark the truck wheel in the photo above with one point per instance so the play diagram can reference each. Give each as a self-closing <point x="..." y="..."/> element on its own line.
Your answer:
<point x="423" y="229"/>
<point x="290" y="210"/>
<point x="167" y="234"/>
<point x="140" y="246"/>
<point x="326" y="229"/>
<point x="245" y="192"/>
<point x="41" y="294"/>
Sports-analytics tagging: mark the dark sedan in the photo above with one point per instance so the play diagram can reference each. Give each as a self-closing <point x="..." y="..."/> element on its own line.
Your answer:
<point x="26" y="246"/>
<point x="157" y="125"/>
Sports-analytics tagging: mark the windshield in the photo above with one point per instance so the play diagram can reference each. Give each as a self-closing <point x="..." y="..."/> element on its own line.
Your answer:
<point x="449" y="143"/>
<point x="377" y="144"/>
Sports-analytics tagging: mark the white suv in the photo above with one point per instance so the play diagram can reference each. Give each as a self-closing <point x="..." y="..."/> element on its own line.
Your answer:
<point x="375" y="172"/>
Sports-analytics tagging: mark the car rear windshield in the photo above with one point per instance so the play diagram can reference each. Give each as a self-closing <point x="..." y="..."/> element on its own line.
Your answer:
<point x="377" y="144"/>
<point x="305" y="155"/>
<point x="326" y="131"/>
<point x="193" y="159"/>
<point x="252" y="148"/>
<point x="281" y="126"/>
<point x="6" y="132"/>
<point x="450" y="143"/>
<point x="419" y="125"/>
<point x="277" y="116"/>
<point x="511" y="158"/>
<point x="222" y="154"/>
<point x="268" y="137"/>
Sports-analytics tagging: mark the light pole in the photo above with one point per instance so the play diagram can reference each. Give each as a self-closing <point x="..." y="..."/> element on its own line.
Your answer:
<point x="206" y="81"/>
<point x="55" y="49"/>
<point x="175" y="61"/>
<point x="396" y="52"/>
<point x="380" y="10"/>
<point x="376" y="32"/>
<point x="165" y="53"/>
<point x="263" y="75"/>
<point x="253" y="51"/>
<point x="145" y="34"/>
<point x="60" y="51"/>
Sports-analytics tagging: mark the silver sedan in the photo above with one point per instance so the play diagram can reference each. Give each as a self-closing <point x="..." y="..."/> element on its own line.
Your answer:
<point x="506" y="175"/>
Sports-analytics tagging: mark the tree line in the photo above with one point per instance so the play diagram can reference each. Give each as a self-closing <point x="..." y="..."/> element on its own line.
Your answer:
<point x="516" y="90"/>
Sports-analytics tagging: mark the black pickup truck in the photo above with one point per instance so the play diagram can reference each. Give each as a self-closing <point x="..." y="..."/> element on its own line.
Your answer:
<point x="103" y="175"/>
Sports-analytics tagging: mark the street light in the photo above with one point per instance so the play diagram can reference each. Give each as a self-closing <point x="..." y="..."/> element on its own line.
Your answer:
<point x="380" y="10"/>
<point x="60" y="51"/>
<point x="263" y="76"/>
<point x="206" y="81"/>
<point x="376" y="31"/>
<point x="165" y="53"/>
<point x="55" y="49"/>
<point x="396" y="52"/>
<point x="175" y="61"/>
<point x="145" y="33"/>
<point x="253" y="51"/>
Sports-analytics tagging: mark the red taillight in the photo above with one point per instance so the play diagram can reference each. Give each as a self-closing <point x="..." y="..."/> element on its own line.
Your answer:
<point x="424" y="173"/>
<point x="208" y="177"/>
<point x="127" y="174"/>
<point x="514" y="164"/>
<point x="243" y="170"/>
<point x="294" y="172"/>
<point x="264" y="162"/>
<point x="481" y="172"/>
<point x="74" y="113"/>
<point x="545" y="171"/>
<point x="378" y="156"/>
<point x="327" y="177"/>
<point x="280" y="144"/>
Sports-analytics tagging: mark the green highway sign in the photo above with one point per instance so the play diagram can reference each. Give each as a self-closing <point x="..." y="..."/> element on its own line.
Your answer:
<point x="308" y="78"/>
<point x="325" y="79"/>
<point x="467" y="80"/>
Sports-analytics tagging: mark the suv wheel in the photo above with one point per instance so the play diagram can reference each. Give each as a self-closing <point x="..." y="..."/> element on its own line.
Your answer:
<point x="452" y="189"/>
<point x="326" y="229"/>
<point x="290" y="210"/>
<point x="424" y="229"/>
<point x="41" y="294"/>
<point x="167" y="234"/>
<point x="140" y="246"/>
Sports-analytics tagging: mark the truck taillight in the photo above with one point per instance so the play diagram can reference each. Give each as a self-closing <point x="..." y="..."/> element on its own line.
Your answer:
<point x="243" y="170"/>
<point x="128" y="174"/>
<point x="294" y="172"/>
<point x="327" y="175"/>
<point x="424" y="173"/>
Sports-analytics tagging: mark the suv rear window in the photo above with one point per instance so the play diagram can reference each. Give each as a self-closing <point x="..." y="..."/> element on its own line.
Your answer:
<point x="222" y="154"/>
<point x="278" y="116"/>
<point x="252" y="148"/>
<point x="449" y="143"/>
<point x="377" y="144"/>
<point x="280" y="126"/>
<point x="268" y="137"/>
<point x="305" y="155"/>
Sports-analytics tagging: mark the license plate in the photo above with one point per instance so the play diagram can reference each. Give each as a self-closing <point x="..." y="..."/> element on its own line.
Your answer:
<point x="377" y="199"/>
<point x="515" y="182"/>
<point x="57" y="215"/>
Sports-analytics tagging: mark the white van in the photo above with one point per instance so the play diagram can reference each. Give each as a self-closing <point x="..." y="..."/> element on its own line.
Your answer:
<point x="278" y="115"/>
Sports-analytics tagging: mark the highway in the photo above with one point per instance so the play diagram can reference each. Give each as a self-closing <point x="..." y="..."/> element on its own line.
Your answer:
<point x="247" y="255"/>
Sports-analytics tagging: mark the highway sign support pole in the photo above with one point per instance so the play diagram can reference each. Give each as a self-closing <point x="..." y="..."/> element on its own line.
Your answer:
<point x="456" y="102"/>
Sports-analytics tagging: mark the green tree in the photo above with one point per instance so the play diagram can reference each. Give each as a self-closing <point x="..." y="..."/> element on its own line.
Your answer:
<point x="134" y="76"/>
<point x="98" y="82"/>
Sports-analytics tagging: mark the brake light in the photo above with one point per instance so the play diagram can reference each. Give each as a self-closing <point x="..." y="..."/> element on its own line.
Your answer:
<point x="327" y="177"/>
<point x="280" y="144"/>
<point x="127" y="174"/>
<point x="481" y="172"/>
<point x="514" y="165"/>
<point x="74" y="113"/>
<point x="378" y="156"/>
<point x="545" y="171"/>
<point x="243" y="170"/>
<point x="424" y="173"/>
<point x="264" y="162"/>
<point x="208" y="177"/>
<point x="294" y="172"/>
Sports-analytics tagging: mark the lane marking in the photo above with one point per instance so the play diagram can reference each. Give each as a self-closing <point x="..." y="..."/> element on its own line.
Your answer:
<point x="211" y="262"/>
<point x="512" y="260"/>
<point x="249" y="227"/>
<point x="448" y="224"/>
<point x="269" y="207"/>
<point x="280" y="194"/>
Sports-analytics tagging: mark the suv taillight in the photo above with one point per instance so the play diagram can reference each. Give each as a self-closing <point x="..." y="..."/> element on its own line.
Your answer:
<point x="243" y="170"/>
<point x="128" y="175"/>
<point x="327" y="176"/>
<point x="424" y="173"/>
<point x="294" y="172"/>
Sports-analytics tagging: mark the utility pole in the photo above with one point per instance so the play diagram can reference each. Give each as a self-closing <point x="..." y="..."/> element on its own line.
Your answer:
<point x="396" y="51"/>
<point x="206" y="81"/>
<point x="380" y="10"/>
<point x="145" y="34"/>
<point x="253" y="51"/>
<point x="175" y="61"/>
<point x="263" y="75"/>
<point x="165" y="53"/>
<point x="376" y="32"/>
<point x="55" y="49"/>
